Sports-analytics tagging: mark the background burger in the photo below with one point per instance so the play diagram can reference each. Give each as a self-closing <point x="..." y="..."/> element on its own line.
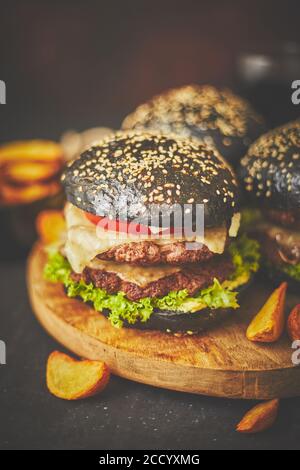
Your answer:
<point x="146" y="276"/>
<point x="216" y="115"/>
<point x="271" y="177"/>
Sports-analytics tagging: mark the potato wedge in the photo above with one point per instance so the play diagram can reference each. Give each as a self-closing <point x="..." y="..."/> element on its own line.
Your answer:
<point x="27" y="173"/>
<point x="33" y="150"/>
<point x="51" y="226"/>
<point x="268" y="325"/>
<point x="293" y="324"/>
<point x="24" y="195"/>
<point x="260" y="418"/>
<point x="70" y="379"/>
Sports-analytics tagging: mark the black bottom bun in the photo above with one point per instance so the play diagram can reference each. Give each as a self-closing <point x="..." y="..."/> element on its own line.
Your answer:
<point x="190" y="323"/>
<point x="179" y="322"/>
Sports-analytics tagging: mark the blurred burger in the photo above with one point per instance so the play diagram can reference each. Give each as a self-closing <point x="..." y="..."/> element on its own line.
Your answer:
<point x="217" y="116"/>
<point x="271" y="177"/>
<point x="133" y="248"/>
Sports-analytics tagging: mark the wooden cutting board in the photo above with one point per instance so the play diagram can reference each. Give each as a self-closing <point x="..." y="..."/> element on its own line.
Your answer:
<point x="220" y="363"/>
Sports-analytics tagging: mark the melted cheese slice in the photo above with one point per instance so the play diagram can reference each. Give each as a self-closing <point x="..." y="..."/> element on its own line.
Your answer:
<point x="140" y="275"/>
<point x="235" y="225"/>
<point x="85" y="240"/>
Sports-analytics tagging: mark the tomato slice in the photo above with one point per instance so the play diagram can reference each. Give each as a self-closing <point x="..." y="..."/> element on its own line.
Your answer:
<point x="95" y="219"/>
<point x="126" y="227"/>
<point x="118" y="225"/>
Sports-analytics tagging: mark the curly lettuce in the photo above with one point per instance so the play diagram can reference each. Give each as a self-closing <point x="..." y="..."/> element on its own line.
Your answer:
<point x="245" y="256"/>
<point x="292" y="271"/>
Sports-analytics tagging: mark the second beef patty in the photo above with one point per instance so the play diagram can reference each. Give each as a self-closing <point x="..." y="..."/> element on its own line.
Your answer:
<point x="192" y="277"/>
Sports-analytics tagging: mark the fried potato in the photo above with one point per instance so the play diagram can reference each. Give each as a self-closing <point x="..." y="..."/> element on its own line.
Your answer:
<point x="260" y="418"/>
<point x="11" y="194"/>
<point x="70" y="379"/>
<point x="293" y="324"/>
<point x="50" y="225"/>
<point x="31" y="172"/>
<point x="31" y="150"/>
<point x="268" y="325"/>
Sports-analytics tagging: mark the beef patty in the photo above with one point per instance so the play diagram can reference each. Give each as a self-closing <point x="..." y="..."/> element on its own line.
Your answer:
<point x="192" y="278"/>
<point x="148" y="253"/>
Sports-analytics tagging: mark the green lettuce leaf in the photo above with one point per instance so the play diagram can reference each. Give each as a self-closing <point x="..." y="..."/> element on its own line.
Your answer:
<point x="57" y="269"/>
<point x="245" y="255"/>
<point x="292" y="271"/>
<point x="218" y="297"/>
<point x="172" y="301"/>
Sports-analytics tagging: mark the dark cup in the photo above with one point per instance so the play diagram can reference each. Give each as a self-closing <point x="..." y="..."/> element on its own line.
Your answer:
<point x="265" y="78"/>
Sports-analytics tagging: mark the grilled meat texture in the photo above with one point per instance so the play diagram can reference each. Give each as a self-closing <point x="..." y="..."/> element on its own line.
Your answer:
<point x="193" y="278"/>
<point x="148" y="253"/>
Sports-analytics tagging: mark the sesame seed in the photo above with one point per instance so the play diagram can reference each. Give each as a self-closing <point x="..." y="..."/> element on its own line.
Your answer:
<point x="157" y="169"/>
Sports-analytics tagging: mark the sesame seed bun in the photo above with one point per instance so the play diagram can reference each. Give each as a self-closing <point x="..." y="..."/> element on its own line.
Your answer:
<point x="126" y="174"/>
<point x="270" y="171"/>
<point x="218" y="116"/>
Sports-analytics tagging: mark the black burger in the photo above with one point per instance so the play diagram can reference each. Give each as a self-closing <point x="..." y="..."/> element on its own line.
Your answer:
<point x="133" y="248"/>
<point x="216" y="115"/>
<point x="271" y="177"/>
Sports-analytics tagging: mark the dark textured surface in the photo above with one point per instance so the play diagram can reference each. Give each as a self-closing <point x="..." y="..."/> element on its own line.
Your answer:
<point x="125" y="416"/>
<point x="270" y="172"/>
<point x="89" y="63"/>
<point x="204" y="112"/>
<point x="137" y="176"/>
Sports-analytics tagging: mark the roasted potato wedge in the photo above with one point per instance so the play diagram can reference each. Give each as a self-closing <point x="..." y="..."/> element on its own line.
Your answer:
<point x="260" y="418"/>
<point x="70" y="379"/>
<point x="11" y="194"/>
<point x="268" y="325"/>
<point x="50" y="225"/>
<point x="293" y="324"/>
<point x="26" y="173"/>
<point x="31" y="150"/>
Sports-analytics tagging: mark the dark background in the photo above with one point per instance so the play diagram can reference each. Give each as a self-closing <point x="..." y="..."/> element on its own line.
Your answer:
<point x="76" y="64"/>
<point x="80" y="64"/>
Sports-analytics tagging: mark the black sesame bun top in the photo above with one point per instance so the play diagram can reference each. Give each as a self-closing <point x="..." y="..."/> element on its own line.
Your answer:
<point x="124" y="175"/>
<point x="270" y="172"/>
<point x="218" y="116"/>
